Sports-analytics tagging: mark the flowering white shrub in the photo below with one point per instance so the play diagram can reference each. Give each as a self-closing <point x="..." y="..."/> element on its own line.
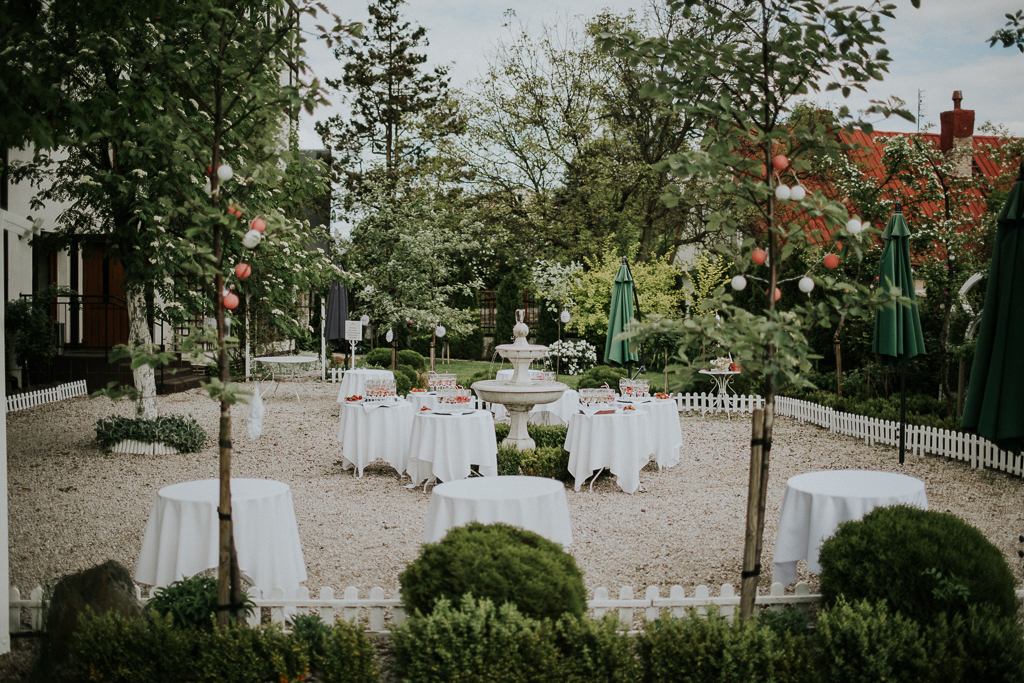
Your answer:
<point x="574" y="355"/>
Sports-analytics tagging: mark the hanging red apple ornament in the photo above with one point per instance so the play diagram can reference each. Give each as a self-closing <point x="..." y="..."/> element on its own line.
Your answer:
<point x="258" y="224"/>
<point x="243" y="270"/>
<point x="759" y="256"/>
<point x="778" y="294"/>
<point x="230" y="301"/>
<point x="780" y="162"/>
<point x="831" y="261"/>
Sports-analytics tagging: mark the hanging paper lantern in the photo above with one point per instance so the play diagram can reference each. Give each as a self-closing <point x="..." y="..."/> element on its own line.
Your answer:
<point x="225" y="172"/>
<point x="252" y="239"/>
<point x="440" y="331"/>
<point x="805" y="284"/>
<point x="390" y="336"/>
<point x="364" y="319"/>
<point x="797" y="193"/>
<point x="258" y="224"/>
<point x="780" y="162"/>
<point x="783" y="193"/>
<point x="230" y="301"/>
<point x="854" y="226"/>
<point x="759" y="256"/>
<point x="739" y="283"/>
<point x="831" y="261"/>
<point x="243" y="271"/>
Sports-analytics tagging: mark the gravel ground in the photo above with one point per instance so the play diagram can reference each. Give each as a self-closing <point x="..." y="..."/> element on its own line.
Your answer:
<point x="72" y="506"/>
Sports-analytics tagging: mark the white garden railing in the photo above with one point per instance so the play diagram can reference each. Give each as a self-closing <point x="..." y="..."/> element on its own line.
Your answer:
<point x="31" y="399"/>
<point x="379" y="612"/>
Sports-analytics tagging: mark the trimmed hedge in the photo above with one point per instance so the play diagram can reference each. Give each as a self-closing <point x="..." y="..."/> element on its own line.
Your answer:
<point x="599" y="375"/>
<point x="545" y="436"/>
<point x="866" y="642"/>
<point x="178" y="431"/>
<point x="379" y="357"/>
<point x="921" y="562"/>
<point x="413" y="359"/>
<point x="112" y="648"/>
<point x="499" y="562"/>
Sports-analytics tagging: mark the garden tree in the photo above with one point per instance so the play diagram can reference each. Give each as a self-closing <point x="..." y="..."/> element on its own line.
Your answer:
<point x="1012" y="33"/>
<point x="404" y="258"/>
<point x="566" y="151"/>
<point x="508" y="297"/>
<point x="399" y="110"/>
<point x="780" y="51"/>
<point x="30" y="101"/>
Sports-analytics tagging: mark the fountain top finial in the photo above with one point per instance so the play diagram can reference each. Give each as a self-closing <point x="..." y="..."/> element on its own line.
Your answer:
<point x="520" y="331"/>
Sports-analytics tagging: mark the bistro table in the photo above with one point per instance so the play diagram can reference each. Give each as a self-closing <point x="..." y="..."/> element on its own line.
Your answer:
<point x="445" y="444"/>
<point x="720" y="399"/>
<point x="374" y="430"/>
<point x="668" y="435"/>
<point x="532" y="503"/>
<point x="816" y="503"/>
<point x="621" y="442"/>
<point x="182" y="533"/>
<point x="292" y="363"/>
<point x="353" y="382"/>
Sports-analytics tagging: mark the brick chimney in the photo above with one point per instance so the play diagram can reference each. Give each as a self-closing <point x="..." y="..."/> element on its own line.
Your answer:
<point x="957" y="135"/>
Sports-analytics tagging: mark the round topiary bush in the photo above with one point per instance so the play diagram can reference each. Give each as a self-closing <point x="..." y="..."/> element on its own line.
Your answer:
<point x="379" y="357"/>
<point x="405" y="379"/>
<point x="501" y="563"/>
<point x="599" y="375"/>
<point x="413" y="359"/>
<point x="922" y="563"/>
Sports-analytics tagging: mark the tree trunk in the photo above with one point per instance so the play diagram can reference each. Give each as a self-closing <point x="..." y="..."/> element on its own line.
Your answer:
<point x="837" y="349"/>
<point x="751" y="564"/>
<point x="139" y="335"/>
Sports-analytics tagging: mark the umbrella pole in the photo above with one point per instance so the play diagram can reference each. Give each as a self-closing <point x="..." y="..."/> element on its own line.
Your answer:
<point x="903" y="412"/>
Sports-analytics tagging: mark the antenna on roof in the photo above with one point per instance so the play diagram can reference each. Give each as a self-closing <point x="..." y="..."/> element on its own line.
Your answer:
<point x="920" y="108"/>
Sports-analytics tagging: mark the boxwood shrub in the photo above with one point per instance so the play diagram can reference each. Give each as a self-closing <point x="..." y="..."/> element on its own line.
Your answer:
<point x="920" y="562"/>
<point x="545" y="436"/>
<point x="379" y="357"/>
<point x="413" y="359"/>
<point x="499" y="562"/>
<point x="179" y="431"/>
<point x="599" y="375"/>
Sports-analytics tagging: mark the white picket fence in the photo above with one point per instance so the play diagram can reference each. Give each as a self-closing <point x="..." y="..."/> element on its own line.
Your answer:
<point x="31" y="399"/>
<point x="379" y="613"/>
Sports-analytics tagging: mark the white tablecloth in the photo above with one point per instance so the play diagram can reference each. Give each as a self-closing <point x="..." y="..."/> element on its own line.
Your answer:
<point x="354" y="381"/>
<point x="182" y="533"/>
<point x="556" y="413"/>
<point x="668" y="436"/>
<point x="816" y="503"/>
<point x="531" y="503"/>
<point x="374" y="431"/>
<point x="622" y="443"/>
<point x="423" y="399"/>
<point x="445" y="446"/>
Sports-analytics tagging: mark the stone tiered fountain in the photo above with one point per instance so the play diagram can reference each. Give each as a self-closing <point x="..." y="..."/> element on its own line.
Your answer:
<point x="520" y="394"/>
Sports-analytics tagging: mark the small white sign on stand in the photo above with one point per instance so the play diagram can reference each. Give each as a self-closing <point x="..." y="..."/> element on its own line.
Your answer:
<point x="353" y="335"/>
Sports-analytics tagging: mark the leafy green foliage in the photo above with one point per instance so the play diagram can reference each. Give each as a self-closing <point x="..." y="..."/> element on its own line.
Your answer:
<point x="475" y="641"/>
<point x="592" y="650"/>
<point x="865" y="642"/>
<point x="413" y="359"/>
<point x="551" y="462"/>
<point x="980" y="645"/>
<point x="921" y="563"/>
<point x="179" y="431"/>
<point x="498" y="562"/>
<point x="405" y="378"/>
<point x="378" y="358"/>
<point x="600" y="375"/>
<point x="29" y="333"/>
<point x="190" y="602"/>
<point x="509" y="459"/>
<point x="508" y="297"/>
<point x="695" y="649"/>
<point x="341" y="653"/>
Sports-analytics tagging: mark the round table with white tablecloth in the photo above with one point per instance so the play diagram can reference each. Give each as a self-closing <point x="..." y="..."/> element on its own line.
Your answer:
<point x="182" y="533"/>
<point x="816" y="503"/>
<point x="668" y="435"/>
<point x="533" y="503"/>
<point x="621" y="442"/>
<point x="375" y="430"/>
<point x="353" y="382"/>
<point x="445" y="445"/>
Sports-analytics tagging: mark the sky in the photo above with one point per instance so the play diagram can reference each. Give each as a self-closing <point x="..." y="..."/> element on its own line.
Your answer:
<point x="937" y="49"/>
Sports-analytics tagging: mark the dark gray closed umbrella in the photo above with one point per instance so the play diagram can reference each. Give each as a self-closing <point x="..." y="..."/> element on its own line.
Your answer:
<point x="337" y="312"/>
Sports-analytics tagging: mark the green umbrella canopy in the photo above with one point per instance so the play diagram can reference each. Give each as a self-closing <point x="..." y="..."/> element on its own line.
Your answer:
<point x="995" y="397"/>
<point x="898" y="335"/>
<point x="619" y="351"/>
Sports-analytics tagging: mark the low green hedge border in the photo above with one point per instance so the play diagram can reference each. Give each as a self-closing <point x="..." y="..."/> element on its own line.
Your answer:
<point x="178" y="431"/>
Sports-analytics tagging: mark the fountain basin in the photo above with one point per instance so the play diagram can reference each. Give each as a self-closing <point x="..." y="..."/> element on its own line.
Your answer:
<point x="519" y="398"/>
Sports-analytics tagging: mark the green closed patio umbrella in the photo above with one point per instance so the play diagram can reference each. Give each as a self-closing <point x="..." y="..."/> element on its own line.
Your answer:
<point x="623" y="294"/>
<point x="994" y="407"/>
<point x="898" y="336"/>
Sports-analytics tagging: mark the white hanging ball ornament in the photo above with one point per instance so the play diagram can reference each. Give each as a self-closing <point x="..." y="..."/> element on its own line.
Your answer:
<point x="225" y="172"/>
<point x="252" y="239"/>
<point x="797" y="193"/>
<point x="364" y="319"/>
<point x="783" y="193"/>
<point x="565" y="317"/>
<point x="805" y="284"/>
<point x="739" y="283"/>
<point x="854" y="226"/>
<point x="440" y="331"/>
<point x="390" y="336"/>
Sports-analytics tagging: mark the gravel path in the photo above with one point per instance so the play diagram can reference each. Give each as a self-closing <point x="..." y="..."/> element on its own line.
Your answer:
<point x="72" y="506"/>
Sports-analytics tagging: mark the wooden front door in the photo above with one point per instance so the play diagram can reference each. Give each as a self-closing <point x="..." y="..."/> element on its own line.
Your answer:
<point x="104" y="315"/>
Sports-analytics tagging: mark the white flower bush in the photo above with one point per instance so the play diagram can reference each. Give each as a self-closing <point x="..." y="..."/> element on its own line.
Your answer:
<point x="575" y="356"/>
